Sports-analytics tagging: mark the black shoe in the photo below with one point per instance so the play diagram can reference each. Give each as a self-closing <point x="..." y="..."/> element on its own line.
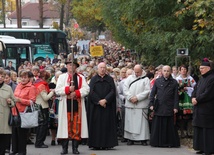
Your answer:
<point x="42" y="146"/>
<point x="53" y="142"/>
<point x="21" y="154"/>
<point x="199" y="152"/>
<point x="64" y="151"/>
<point x="75" y="145"/>
<point x="144" y="143"/>
<point x="75" y="151"/>
<point x="29" y="142"/>
<point x="123" y="140"/>
<point x="59" y="142"/>
<point x="130" y="142"/>
<point x="96" y="148"/>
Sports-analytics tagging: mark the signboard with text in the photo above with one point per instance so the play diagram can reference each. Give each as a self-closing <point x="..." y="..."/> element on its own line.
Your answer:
<point x="96" y="51"/>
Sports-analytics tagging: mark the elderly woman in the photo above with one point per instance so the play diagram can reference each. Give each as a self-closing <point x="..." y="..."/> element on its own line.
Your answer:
<point x="6" y="101"/>
<point x="25" y="94"/>
<point x="43" y="95"/>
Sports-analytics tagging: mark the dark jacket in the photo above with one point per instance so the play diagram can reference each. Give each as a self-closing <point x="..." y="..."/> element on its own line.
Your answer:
<point x="203" y="111"/>
<point x="10" y="68"/>
<point x="166" y="94"/>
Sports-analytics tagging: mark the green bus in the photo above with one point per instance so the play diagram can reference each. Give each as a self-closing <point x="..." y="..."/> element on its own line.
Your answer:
<point x="47" y="42"/>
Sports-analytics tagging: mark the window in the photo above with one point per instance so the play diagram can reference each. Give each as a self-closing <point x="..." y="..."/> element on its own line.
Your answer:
<point x="36" y="37"/>
<point x="24" y="23"/>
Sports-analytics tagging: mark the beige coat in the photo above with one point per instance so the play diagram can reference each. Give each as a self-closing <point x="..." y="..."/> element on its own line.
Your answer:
<point x="43" y="97"/>
<point x="62" y="131"/>
<point x="5" y="93"/>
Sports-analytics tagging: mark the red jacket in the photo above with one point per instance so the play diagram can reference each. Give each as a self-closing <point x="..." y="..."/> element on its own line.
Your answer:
<point x="25" y="93"/>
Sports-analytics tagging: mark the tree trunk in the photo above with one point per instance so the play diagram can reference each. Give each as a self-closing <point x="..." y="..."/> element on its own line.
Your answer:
<point x="41" y="14"/>
<point x="3" y="13"/>
<point x="68" y="14"/>
<point x="18" y="13"/>
<point x="62" y="16"/>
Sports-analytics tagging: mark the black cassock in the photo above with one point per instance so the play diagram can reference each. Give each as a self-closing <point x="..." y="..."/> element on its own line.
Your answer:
<point x="102" y="121"/>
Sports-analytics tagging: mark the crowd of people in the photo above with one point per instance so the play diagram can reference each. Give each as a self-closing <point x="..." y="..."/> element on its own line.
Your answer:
<point x="87" y="95"/>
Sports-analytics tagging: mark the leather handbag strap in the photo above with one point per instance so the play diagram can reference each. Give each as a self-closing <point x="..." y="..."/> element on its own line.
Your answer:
<point x="16" y="110"/>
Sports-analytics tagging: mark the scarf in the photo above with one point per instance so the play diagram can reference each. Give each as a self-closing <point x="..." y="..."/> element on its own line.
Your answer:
<point x="39" y="82"/>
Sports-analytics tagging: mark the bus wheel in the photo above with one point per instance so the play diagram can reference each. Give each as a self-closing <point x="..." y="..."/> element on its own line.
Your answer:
<point x="40" y="58"/>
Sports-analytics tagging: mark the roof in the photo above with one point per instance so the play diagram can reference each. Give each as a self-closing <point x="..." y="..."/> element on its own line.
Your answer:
<point x="31" y="11"/>
<point x="15" y="41"/>
<point x="28" y="30"/>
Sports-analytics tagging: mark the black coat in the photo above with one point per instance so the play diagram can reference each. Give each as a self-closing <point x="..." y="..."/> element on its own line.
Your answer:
<point x="166" y="94"/>
<point x="203" y="111"/>
<point x="102" y="121"/>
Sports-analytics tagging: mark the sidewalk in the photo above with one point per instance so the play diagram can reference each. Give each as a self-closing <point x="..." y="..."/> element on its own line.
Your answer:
<point x="122" y="149"/>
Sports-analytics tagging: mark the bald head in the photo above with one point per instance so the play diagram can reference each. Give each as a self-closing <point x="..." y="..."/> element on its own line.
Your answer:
<point x="102" y="68"/>
<point x="166" y="71"/>
<point x="138" y="70"/>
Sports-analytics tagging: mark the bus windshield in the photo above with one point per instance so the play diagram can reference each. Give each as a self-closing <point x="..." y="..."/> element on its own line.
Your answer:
<point x="15" y="50"/>
<point x="47" y="42"/>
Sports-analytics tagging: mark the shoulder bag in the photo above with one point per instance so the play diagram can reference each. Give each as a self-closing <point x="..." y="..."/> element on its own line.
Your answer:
<point x="14" y="120"/>
<point x="29" y="119"/>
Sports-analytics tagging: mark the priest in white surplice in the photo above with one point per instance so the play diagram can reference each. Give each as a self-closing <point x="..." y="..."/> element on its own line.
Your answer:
<point x="136" y="90"/>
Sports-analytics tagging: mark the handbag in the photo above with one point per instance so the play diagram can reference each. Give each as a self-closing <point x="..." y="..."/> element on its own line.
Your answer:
<point x="41" y="117"/>
<point x="29" y="119"/>
<point x="119" y="124"/>
<point x="52" y="111"/>
<point x="14" y="120"/>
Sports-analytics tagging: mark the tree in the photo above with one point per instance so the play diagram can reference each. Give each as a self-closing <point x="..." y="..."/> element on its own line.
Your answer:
<point x="155" y="30"/>
<point x="203" y="26"/>
<point x="88" y="14"/>
<point x="6" y="6"/>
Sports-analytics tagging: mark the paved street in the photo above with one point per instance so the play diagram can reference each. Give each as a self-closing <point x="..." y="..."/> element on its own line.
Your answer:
<point x="122" y="149"/>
